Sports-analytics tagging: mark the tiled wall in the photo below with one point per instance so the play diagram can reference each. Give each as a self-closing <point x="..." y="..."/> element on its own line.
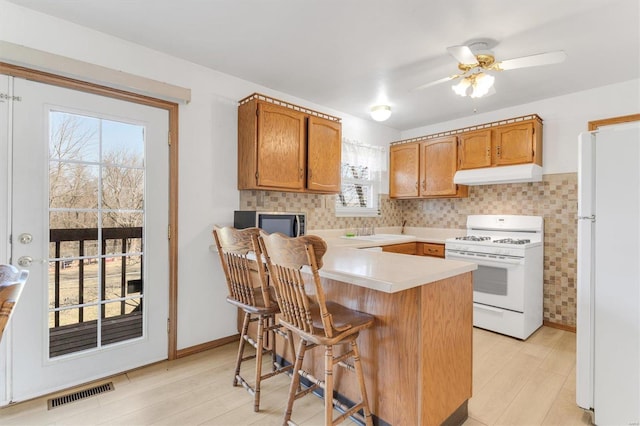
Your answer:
<point x="555" y="199"/>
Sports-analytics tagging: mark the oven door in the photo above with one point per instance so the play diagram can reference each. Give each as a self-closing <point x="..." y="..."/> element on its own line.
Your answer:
<point x="497" y="282"/>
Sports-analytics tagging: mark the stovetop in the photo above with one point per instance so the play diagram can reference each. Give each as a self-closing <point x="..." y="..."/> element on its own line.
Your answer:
<point x="499" y="234"/>
<point x="494" y="240"/>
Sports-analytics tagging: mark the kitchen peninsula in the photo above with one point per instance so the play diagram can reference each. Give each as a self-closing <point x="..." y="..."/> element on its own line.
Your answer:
<point x="417" y="357"/>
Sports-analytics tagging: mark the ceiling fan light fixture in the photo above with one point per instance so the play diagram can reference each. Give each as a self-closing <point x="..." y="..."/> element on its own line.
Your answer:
<point x="461" y="87"/>
<point x="380" y="112"/>
<point x="481" y="85"/>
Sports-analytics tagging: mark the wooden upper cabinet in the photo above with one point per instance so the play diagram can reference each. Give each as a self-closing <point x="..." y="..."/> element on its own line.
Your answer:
<point x="424" y="169"/>
<point x="475" y="150"/>
<point x="518" y="144"/>
<point x="282" y="147"/>
<point x="502" y="145"/>
<point x="404" y="170"/>
<point x="324" y="153"/>
<point x="438" y="159"/>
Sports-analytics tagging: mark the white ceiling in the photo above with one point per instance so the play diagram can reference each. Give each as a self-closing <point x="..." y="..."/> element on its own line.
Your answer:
<point x="351" y="54"/>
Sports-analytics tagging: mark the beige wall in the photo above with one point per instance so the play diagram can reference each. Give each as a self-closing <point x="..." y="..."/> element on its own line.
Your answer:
<point x="555" y="199"/>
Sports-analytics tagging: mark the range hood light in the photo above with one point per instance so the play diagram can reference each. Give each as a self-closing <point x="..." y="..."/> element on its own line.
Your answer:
<point x="500" y="174"/>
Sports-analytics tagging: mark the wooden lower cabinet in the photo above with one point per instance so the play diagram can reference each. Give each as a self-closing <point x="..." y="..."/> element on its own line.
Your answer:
<point x="416" y="248"/>
<point x="404" y="248"/>
<point x="416" y="358"/>
<point x="431" y="249"/>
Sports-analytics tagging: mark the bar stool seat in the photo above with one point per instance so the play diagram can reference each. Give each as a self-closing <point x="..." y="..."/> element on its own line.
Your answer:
<point x="343" y="319"/>
<point x="316" y="321"/>
<point x="250" y="291"/>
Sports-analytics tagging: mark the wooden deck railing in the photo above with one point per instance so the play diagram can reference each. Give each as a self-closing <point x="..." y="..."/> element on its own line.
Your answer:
<point x="78" y="336"/>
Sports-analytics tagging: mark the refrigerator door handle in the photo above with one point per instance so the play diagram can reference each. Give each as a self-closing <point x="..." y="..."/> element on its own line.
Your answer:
<point x="592" y="218"/>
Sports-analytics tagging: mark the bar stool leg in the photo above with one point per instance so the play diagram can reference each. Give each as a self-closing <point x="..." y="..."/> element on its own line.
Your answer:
<point x="360" y="375"/>
<point x="328" y="385"/>
<point x="245" y="328"/>
<point x="295" y="381"/>
<point x="272" y="336"/>
<point x="259" y="348"/>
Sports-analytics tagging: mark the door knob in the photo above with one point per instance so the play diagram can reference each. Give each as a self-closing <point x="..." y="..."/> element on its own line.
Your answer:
<point x="25" y="261"/>
<point x="25" y="238"/>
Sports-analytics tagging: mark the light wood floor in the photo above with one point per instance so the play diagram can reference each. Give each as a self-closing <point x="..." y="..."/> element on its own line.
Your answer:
<point x="514" y="383"/>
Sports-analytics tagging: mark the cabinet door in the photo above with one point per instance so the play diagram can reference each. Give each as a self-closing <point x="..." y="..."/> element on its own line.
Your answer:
<point x="514" y="144"/>
<point x="281" y="148"/>
<point x="438" y="166"/>
<point x="404" y="170"/>
<point x="475" y="150"/>
<point x="403" y="248"/>
<point x="432" y="249"/>
<point x="324" y="148"/>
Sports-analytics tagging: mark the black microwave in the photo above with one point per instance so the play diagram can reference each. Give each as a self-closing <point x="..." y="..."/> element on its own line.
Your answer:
<point x="287" y="223"/>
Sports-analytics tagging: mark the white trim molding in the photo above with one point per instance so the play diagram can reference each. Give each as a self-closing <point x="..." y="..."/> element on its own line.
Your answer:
<point x="40" y="60"/>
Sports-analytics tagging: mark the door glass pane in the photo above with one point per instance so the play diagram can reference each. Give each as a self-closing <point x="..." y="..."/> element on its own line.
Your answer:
<point x="83" y="178"/>
<point x="73" y="335"/>
<point x="122" y="144"/>
<point x="122" y="188"/>
<point x="96" y="221"/>
<point x="74" y="137"/>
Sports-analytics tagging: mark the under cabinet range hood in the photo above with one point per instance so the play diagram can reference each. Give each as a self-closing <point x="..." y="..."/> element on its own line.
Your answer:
<point x="499" y="174"/>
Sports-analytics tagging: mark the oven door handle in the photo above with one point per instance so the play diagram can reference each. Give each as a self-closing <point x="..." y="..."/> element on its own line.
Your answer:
<point x="488" y="308"/>
<point x="485" y="260"/>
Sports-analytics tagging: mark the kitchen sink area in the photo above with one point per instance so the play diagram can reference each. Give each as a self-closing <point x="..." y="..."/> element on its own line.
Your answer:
<point x="382" y="237"/>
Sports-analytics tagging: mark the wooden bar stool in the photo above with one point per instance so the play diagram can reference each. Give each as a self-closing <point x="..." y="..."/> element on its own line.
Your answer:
<point x="316" y="321"/>
<point x="257" y="301"/>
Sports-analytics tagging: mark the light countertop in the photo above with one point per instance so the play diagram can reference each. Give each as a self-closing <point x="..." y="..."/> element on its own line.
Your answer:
<point x="383" y="271"/>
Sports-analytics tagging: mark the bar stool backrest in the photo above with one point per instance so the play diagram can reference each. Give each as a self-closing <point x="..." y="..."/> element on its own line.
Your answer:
<point x="234" y="246"/>
<point x="285" y="258"/>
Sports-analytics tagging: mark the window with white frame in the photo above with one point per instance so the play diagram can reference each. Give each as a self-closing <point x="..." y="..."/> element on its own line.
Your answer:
<point x="362" y="168"/>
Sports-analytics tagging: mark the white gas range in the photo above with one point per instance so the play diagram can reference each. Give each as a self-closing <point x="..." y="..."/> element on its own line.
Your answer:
<point x="507" y="286"/>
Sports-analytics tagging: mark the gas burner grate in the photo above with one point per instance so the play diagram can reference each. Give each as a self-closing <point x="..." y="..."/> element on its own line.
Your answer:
<point x="512" y="241"/>
<point x="473" y="238"/>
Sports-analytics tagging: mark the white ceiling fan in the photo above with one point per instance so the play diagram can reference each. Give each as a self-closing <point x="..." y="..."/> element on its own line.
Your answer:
<point x="475" y="59"/>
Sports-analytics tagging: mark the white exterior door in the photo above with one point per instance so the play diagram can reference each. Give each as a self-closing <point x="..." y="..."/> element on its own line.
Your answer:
<point x="89" y="219"/>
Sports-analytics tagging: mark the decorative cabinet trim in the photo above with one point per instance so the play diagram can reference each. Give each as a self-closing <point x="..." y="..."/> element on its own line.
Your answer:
<point x="286" y="104"/>
<point x="455" y="132"/>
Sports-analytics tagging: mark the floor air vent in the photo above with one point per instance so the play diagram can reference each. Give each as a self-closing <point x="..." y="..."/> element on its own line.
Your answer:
<point x="77" y="396"/>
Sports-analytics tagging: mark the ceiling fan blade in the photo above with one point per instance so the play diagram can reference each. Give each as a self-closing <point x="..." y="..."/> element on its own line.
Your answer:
<point x="434" y="83"/>
<point x="463" y="54"/>
<point x="532" y="61"/>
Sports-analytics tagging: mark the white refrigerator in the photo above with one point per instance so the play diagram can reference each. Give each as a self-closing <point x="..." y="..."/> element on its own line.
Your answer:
<point x="608" y="289"/>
